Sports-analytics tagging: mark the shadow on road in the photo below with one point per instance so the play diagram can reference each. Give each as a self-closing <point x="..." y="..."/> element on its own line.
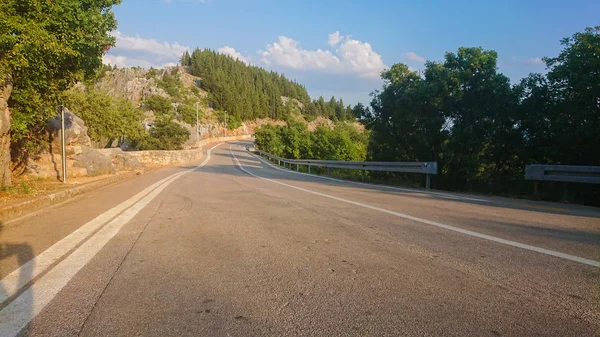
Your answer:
<point x="523" y="231"/>
<point x="17" y="305"/>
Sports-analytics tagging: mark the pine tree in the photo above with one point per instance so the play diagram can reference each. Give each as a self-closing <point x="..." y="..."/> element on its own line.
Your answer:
<point x="247" y="91"/>
<point x="331" y="107"/>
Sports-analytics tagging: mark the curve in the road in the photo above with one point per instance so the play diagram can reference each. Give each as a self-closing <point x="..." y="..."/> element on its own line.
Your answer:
<point x="540" y="250"/>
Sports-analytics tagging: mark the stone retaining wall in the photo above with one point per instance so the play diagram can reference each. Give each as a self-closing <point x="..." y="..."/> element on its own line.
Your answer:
<point x="165" y="158"/>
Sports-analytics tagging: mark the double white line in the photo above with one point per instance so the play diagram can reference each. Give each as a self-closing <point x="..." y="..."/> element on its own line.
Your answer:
<point x="17" y="314"/>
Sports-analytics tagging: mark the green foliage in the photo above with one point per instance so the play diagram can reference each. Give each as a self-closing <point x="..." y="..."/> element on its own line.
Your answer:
<point x="46" y="46"/>
<point x="560" y="112"/>
<point x="103" y="70"/>
<point x="294" y="141"/>
<point x="165" y="135"/>
<point x="247" y="92"/>
<point x="187" y="113"/>
<point x="244" y="91"/>
<point x="106" y="117"/>
<point x="234" y="122"/>
<point x="158" y="104"/>
<point x="172" y="85"/>
<point x="334" y="110"/>
<point x="465" y="115"/>
<point x="186" y="60"/>
<point x="151" y="73"/>
<point x="343" y="142"/>
<point x="268" y="138"/>
<point x="461" y="114"/>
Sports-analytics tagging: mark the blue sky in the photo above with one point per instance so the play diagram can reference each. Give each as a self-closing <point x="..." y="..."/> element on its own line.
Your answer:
<point x="338" y="47"/>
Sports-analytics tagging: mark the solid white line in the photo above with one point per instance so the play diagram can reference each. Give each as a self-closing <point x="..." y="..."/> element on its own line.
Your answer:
<point x="569" y="257"/>
<point x="26" y="306"/>
<point x="445" y="195"/>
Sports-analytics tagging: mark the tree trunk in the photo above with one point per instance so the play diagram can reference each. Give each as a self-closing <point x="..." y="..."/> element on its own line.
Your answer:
<point x="5" y="91"/>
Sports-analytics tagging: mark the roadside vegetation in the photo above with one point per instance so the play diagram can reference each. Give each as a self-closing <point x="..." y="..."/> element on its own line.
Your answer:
<point x="295" y="141"/>
<point x="45" y="47"/>
<point x="482" y="131"/>
<point x="461" y="111"/>
<point x="107" y="118"/>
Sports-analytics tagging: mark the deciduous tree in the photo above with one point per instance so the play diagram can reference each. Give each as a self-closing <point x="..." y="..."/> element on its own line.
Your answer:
<point x="45" y="47"/>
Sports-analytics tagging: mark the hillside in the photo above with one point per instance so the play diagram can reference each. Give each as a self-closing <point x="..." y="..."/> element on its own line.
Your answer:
<point x="155" y="91"/>
<point x="248" y="92"/>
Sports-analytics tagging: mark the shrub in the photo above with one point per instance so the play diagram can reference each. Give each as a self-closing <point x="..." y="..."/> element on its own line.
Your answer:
<point x="172" y="85"/>
<point x="165" y="135"/>
<point x="107" y="118"/>
<point x="158" y="104"/>
<point x="294" y="141"/>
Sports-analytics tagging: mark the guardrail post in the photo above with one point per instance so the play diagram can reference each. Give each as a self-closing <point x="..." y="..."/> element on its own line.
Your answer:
<point x="428" y="182"/>
<point x="308" y="169"/>
<point x="278" y="162"/>
<point x="297" y="167"/>
<point x="329" y="171"/>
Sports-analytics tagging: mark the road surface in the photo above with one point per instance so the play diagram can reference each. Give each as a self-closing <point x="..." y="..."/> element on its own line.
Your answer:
<point x="236" y="247"/>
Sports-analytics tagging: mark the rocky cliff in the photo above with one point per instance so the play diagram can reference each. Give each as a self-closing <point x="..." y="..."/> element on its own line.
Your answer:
<point x="133" y="84"/>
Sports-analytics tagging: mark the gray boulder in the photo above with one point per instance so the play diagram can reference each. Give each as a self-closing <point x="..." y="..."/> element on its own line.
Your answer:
<point x="75" y="132"/>
<point x="94" y="162"/>
<point x="125" y="161"/>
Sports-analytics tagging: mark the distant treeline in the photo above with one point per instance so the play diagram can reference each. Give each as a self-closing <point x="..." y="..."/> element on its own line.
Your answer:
<point x="247" y="92"/>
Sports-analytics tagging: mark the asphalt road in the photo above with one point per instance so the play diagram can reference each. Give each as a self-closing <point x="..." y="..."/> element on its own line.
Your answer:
<point x="239" y="248"/>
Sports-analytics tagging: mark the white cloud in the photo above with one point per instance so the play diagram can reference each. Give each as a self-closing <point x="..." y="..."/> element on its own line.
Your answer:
<point x="132" y="51"/>
<point x="535" y="61"/>
<point x="334" y="38"/>
<point x="361" y="58"/>
<point x="113" y="60"/>
<point x="150" y="46"/>
<point x="352" y="56"/>
<point x="288" y="53"/>
<point x="233" y="53"/>
<point x="413" y="57"/>
<point x="126" y="62"/>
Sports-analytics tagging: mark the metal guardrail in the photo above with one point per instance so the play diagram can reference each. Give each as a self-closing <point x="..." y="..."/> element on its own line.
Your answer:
<point x="427" y="168"/>
<point x="566" y="173"/>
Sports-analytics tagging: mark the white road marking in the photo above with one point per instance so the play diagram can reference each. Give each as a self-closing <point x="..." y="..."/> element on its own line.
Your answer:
<point x="569" y="257"/>
<point x="17" y="314"/>
<point x="445" y="195"/>
<point x="15" y="280"/>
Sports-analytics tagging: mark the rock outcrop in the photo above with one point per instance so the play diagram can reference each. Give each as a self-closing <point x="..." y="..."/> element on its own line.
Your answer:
<point x="82" y="159"/>
<point x="94" y="162"/>
<point x="130" y="84"/>
<point x="75" y="133"/>
<point x="126" y="161"/>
